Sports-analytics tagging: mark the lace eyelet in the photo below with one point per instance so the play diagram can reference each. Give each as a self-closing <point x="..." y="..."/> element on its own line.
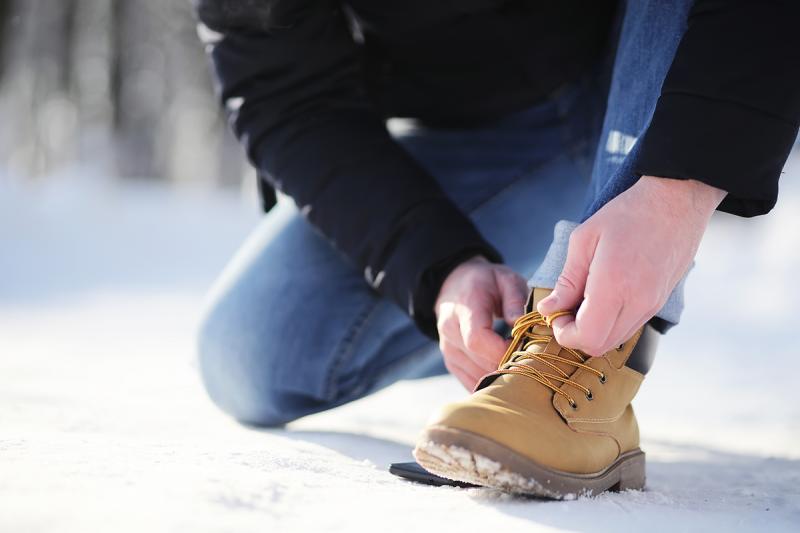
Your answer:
<point x="573" y="404"/>
<point x="590" y="396"/>
<point x="602" y="379"/>
<point x="619" y="348"/>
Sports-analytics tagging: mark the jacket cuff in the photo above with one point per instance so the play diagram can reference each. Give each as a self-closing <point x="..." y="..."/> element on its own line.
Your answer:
<point x="724" y="144"/>
<point x="424" y="298"/>
<point x="440" y="239"/>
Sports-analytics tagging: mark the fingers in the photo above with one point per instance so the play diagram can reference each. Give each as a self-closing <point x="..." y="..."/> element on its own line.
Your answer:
<point x="513" y="294"/>
<point x="614" y="307"/>
<point x="478" y="340"/>
<point x="569" y="290"/>
<point x="591" y="329"/>
<point x="600" y="309"/>
<point x="598" y="306"/>
<point x="460" y="365"/>
<point x="469" y="301"/>
<point x="595" y="319"/>
<point x="470" y="332"/>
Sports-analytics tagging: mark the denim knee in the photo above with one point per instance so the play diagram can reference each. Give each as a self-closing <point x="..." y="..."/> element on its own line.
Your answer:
<point x="238" y="371"/>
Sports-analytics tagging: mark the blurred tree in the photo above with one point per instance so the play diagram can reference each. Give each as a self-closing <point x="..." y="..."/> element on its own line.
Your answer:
<point x="121" y="85"/>
<point x="4" y="5"/>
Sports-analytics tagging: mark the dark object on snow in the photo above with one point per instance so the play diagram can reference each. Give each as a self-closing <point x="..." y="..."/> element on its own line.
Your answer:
<point x="413" y="472"/>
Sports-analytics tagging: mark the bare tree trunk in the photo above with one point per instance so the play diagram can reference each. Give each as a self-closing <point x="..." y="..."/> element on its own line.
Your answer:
<point x="91" y="80"/>
<point x="39" y="115"/>
<point x="139" y="86"/>
<point x="122" y="84"/>
<point x="5" y="28"/>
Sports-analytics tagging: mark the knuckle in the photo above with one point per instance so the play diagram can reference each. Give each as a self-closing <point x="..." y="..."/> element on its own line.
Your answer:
<point x="446" y="326"/>
<point x="505" y="278"/>
<point x="578" y="236"/>
<point x="502" y="270"/>
<point x="471" y="341"/>
<point x="472" y="303"/>
<point x="565" y="280"/>
<point x="510" y="276"/>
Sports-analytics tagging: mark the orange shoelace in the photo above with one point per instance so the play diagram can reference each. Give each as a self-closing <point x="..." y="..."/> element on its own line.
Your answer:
<point x="523" y="337"/>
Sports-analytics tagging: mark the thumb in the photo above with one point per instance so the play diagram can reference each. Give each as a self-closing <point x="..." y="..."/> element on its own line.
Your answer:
<point x="570" y="286"/>
<point x="513" y="294"/>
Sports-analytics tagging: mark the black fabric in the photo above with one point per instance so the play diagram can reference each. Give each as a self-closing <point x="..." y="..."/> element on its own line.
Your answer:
<point x="644" y="353"/>
<point x="309" y="103"/>
<point x="308" y="84"/>
<point x="729" y="109"/>
<point x="266" y="195"/>
<point x="431" y="281"/>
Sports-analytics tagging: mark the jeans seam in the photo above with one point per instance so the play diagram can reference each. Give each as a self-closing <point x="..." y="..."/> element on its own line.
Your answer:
<point x="345" y="348"/>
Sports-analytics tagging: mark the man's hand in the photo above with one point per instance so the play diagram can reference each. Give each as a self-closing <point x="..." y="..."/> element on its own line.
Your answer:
<point x="471" y="297"/>
<point x="624" y="261"/>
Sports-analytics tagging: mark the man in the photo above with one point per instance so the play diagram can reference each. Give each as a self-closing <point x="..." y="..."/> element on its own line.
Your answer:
<point x="517" y="121"/>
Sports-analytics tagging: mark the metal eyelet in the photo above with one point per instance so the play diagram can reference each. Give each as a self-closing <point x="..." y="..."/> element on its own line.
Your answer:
<point x="573" y="405"/>
<point x="619" y="348"/>
<point x="590" y="396"/>
<point x="602" y="379"/>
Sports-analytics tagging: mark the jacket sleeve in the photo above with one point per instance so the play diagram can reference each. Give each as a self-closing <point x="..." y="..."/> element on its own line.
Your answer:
<point x="291" y="83"/>
<point x="729" y="108"/>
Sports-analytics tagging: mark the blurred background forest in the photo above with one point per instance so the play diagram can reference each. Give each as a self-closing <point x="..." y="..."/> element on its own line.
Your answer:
<point x="119" y="86"/>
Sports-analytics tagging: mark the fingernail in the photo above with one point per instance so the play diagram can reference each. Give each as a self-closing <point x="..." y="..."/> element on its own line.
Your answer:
<point x="549" y="301"/>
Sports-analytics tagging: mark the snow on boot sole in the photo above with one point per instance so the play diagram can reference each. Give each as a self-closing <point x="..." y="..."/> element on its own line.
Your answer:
<point x="464" y="456"/>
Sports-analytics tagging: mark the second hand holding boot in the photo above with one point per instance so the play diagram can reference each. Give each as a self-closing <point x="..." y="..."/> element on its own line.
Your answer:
<point x="550" y="421"/>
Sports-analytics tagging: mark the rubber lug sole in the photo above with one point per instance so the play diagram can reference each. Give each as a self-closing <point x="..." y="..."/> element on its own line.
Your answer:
<point x="470" y="458"/>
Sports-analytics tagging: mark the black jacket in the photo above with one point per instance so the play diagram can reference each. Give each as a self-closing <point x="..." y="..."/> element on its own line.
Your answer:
<point x="308" y="84"/>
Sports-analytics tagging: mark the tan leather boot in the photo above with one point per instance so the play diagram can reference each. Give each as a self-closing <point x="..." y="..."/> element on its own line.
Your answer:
<point x="550" y="421"/>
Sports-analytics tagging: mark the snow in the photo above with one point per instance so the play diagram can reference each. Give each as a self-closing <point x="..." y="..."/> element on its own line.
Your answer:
<point x="104" y="425"/>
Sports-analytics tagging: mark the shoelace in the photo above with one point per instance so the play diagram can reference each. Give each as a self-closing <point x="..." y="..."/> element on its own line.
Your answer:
<point x="512" y="360"/>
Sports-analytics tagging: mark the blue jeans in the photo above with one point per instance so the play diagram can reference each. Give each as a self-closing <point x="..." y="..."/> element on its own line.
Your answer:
<point x="292" y="328"/>
<point x="649" y="37"/>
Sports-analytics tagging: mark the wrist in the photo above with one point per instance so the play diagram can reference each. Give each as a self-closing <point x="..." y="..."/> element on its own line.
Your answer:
<point x="458" y="267"/>
<point x="691" y="194"/>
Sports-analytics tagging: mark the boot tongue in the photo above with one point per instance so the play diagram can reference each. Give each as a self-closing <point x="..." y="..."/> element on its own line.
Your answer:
<point x="551" y="347"/>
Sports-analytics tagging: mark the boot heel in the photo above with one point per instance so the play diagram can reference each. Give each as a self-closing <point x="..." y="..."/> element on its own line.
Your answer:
<point x="631" y="474"/>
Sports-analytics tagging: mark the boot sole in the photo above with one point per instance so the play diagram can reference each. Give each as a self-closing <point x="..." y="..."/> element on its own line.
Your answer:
<point x="467" y="457"/>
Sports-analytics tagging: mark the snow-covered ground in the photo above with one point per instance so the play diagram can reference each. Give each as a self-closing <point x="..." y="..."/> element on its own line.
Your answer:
<point x="104" y="425"/>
